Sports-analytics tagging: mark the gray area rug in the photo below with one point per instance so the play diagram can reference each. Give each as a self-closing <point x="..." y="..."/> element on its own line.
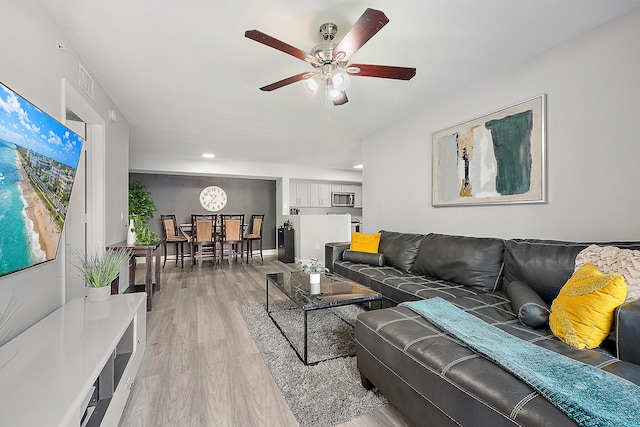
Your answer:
<point x="325" y="394"/>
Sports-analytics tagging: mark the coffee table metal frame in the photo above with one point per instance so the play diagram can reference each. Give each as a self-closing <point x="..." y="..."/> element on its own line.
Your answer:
<point x="335" y="291"/>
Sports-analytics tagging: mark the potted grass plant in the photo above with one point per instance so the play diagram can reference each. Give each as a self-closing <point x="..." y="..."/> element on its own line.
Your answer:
<point x="99" y="268"/>
<point x="314" y="268"/>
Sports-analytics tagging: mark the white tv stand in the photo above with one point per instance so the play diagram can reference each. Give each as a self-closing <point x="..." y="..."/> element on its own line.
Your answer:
<point x="76" y="366"/>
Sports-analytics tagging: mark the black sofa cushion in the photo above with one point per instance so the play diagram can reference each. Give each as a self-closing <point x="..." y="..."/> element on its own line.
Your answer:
<point x="469" y="261"/>
<point x="471" y="390"/>
<point x="399" y="249"/>
<point x="528" y="305"/>
<point x="363" y="257"/>
<point x="543" y="265"/>
<point x="365" y="273"/>
<point x="409" y="287"/>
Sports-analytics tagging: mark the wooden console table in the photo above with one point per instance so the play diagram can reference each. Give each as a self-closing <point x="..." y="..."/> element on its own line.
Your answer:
<point x="149" y="252"/>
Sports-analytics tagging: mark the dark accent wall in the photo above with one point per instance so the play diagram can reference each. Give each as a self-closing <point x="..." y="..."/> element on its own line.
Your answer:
<point x="179" y="194"/>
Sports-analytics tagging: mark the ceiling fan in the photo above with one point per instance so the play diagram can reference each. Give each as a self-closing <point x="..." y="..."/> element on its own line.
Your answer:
<point x="331" y="61"/>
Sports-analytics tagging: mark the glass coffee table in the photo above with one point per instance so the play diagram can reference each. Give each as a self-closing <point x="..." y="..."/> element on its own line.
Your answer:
<point x="334" y="291"/>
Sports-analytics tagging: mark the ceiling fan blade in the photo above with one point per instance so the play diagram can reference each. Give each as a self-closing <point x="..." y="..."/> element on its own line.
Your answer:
<point x="366" y="26"/>
<point x="341" y="100"/>
<point x="382" y="71"/>
<point x="266" y="39"/>
<point x="285" y="82"/>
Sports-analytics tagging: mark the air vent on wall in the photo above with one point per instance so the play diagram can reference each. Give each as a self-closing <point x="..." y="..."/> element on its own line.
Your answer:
<point x="85" y="81"/>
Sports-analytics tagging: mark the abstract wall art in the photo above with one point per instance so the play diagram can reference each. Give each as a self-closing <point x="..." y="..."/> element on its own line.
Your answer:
<point x="494" y="159"/>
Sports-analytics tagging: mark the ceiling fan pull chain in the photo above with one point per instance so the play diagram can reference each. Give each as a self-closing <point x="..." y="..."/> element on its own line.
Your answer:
<point x="327" y="99"/>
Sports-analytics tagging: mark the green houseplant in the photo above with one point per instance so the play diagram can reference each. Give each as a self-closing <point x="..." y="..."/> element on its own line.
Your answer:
<point x="313" y="268"/>
<point x="141" y="208"/>
<point x="99" y="268"/>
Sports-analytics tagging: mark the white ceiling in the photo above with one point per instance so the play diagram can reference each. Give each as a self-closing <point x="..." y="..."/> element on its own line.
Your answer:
<point x="186" y="78"/>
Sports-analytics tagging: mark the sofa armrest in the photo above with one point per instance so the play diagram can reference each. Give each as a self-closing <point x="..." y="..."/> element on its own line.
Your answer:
<point x="333" y="252"/>
<point x="628" y="332"/>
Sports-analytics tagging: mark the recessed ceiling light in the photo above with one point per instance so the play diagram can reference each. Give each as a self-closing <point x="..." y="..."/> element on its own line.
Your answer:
<point x="208" y="155"/>
<point x="360" y="166"/>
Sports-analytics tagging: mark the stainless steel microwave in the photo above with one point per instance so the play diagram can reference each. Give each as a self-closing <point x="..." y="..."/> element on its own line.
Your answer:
<point x="343" y="199"/>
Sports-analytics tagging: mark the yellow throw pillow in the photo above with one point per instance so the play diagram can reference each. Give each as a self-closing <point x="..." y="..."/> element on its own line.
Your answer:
<point x="365" y="242"/>
<point x="582" y="314"/>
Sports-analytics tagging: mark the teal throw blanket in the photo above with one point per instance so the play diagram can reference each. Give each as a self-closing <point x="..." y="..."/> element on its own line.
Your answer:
<point x="588" y="395"/>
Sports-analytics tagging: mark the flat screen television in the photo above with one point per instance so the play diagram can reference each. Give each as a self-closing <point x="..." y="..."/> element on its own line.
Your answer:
<point x="38" y="161"/>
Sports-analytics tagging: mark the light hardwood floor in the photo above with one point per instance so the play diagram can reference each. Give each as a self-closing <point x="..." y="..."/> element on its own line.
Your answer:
<point x="201" y="367"/>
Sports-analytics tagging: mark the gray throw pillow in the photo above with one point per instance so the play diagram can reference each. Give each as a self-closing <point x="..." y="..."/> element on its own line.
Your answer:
<point x="363" y="257"/>
<point x="528" y="305"/>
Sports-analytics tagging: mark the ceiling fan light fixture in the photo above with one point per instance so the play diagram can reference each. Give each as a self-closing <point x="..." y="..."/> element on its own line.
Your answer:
<point x="334" y="94"/>
<point x="311" y="85"/>
<point x="340" y="80"/>
<point x="332" y="91"/>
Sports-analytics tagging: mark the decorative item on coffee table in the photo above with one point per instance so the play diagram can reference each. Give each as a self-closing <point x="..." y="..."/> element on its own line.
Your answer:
<point x="99" y="268"/>
<point x="314" y="268"/>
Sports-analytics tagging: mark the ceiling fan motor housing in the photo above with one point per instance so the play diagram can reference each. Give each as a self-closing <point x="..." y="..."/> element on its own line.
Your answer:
<point x="328" y="31"/>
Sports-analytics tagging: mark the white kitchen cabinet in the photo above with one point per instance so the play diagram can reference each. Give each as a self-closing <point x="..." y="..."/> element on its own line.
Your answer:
<point x="357" y="189"/>
<point x="342" y="188"/>
<point x="319" y="194"/>
<point x="293" y="193"/>
<point x="82" y="356"/>
<point x="325" y="194"/>
<point x="298" y="193"/>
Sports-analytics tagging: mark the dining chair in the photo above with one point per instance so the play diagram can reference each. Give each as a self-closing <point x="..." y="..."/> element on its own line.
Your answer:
<point x="171" y="235"/>
<point x="231" y="237"/>
<point x="203" y="242"/>
<point x="255" y="233"/>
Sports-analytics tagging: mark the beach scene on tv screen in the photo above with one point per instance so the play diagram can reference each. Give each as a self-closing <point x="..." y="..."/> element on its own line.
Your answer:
<point x="38" y="161"/>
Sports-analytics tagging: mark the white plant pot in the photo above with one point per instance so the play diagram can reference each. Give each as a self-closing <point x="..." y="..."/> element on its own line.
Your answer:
<point x="98" y="294"/>
<point x="131" y="235"/>
<point x="315" y="288"/>
<point x="314" y="281"/>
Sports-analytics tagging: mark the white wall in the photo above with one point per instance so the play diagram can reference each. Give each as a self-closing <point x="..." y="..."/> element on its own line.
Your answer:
<point x="593" y="147"/>
<point x="312" y="232"/>
<point x="32" y="65"/>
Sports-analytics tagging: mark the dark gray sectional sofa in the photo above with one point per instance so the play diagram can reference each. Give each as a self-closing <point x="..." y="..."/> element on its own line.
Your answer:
<point x="428" y="376"/>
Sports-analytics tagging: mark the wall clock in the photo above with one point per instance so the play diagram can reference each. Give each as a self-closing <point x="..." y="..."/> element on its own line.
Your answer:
<point x="213" y="198"/>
